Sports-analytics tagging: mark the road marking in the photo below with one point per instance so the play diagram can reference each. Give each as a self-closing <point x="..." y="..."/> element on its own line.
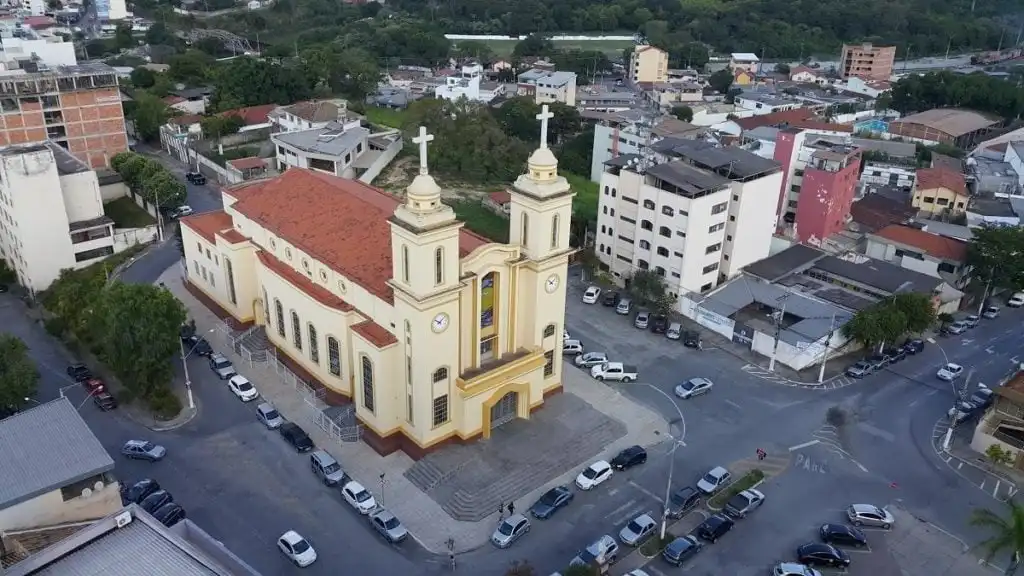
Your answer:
<point x="646" y="491"/>
<point x="613" y="491"/>
<point x="1011" y="491"/>
<point x="915" y="402"/>
<point x="623" y="508"/>
<point x="734" y="405"/>
<point x="804" y="445"/>
<point x="995" y="490"/>
<point x="958" y="466"/>
<point x="931" y="340"/>
<point x="990" y="350"/>
<point x="983" y="484"/>
<point x="878" y="432"/>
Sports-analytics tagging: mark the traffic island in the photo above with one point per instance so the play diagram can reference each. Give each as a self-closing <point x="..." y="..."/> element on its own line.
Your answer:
<point x="654" y="545"/>
<point x="749" y="480"/>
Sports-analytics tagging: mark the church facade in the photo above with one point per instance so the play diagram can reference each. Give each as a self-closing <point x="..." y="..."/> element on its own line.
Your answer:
<point x="434" y="333"/>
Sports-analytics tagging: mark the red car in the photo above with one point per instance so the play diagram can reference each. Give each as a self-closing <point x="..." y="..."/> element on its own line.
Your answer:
<point x="94" y="386"/>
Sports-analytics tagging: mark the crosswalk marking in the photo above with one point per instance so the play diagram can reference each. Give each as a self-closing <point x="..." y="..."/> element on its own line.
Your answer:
<point x="840" y="381"/>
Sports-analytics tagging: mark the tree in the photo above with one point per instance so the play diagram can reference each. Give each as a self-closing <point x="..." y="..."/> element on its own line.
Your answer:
<point x="917" y="309"/>
<point x="143" y="77"/>
<point x="221" y="125"/>
<point x="159" y="34"/>
<point x="1007" y="533"/>
<point x="163" y="189"/>
<point x="865" y="328"/>
<point x="18" y="374"/>
<point x="136" y="326"/>
<point x="250" y="82"/>
<point x="995" y="258"/>
<point x="782" y="69"/>
<point x="123" y="37"/>
<point x="192" y="67"/>
<point x="132" y="168"/>
<point x="533" y="45"/>
<point x="721" y="81"/>
<point x="475" y="49"/>
<point x="684" y="113"/>
<point x="890" y="319"/>
<point x="149" y="115"/>
<point x="945" y="319"/>
<point x="580" y="570"/>
<point x="997" y="455"/>
<point x="647" y="287"/>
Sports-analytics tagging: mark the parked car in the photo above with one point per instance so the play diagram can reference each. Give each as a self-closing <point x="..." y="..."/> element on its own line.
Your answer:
<point x="878" y="362"/>
<point x="221" y="366"/>
<point x="614" y="371"/>
<point x="79" y="372"/>
<point x="550" y="502"/>
<point x="950" y="372"/>
<point x="816" y="554"/>
<point x="913" y="345"/>
<point x="1016" y="301"/>
<point x="197" y="178"/>
<point x="895" y="354"/>
<point x="954" y="328"/>
<point x="511" y="529"/>
<point x="591" y="295"/>
<point x="180" y="211"/>
<point x="359" y="497"/>
<point x="860" y="369"/>
<point x="572" y="347"/>
<point x="716" y="479"/>
<point x="982" y="397"/>
<point x="138" y="492"/>
<point x="624" y="307"/>
<point x="844" y="535"/>
<point x="691" y="339"/>
<point x="793" y="569"/>
<point x="590" y="359"/>
<point x="156" y="500"/>
<point x="744" y="503"/>
<point x="643" y="318"/>
<point x="594" y="475"/>
<point x="961" y="412"/>
<point x="296" y="549"/>
<point x="326" y="468"/>
<point x="170" y="514"/>
<point x="389" y="526"/>
<point x="198" y="346"/>
<point x="682" y="501"/>
<point x="681" y="549"/>
<point x="693" y="387"/>
<point x="611" y="298"/>
<point x="143" y="450"/>
<point x="242" y="388"/>
<point x="296" y="436"/>
<point x="870" y="515"/>
<point x="972" y="321"/>
<point x="602" y="552"/>
<point x="714" y="527"/>
<point x="638" y="529"/>
<point x="93" y="385"/>
<point x="659" y="323"/>
<point x="675" y="330"/>
<point x="269" y="416"/>
<point x="629" y="457"/>
<point x="991" y="312"/>
<point x="104" y="401"/>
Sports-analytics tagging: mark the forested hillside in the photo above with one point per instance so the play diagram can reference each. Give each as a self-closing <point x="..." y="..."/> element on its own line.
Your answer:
<point x="783" y="28"/>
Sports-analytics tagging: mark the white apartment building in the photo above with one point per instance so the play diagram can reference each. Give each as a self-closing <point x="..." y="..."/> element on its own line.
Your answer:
<point x="23" y="43"/>
<point x="51" y="214"/>
<point x="682" y="217"/>
<point x="333" y="149"/>
<point x="465" y="84"/>
<point x="34" y="7"/>
<point x="623" y="133"/>
<point x="885" y="174"/>
<point x="547" y="86"/>
<point x="761" y="103"/>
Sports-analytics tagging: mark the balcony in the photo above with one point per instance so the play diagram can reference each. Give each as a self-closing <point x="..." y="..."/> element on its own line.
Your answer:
<point x="495" y="372"/>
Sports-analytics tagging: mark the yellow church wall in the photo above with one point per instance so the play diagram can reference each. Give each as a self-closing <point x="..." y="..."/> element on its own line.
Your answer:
<point x="214" y="283"/>
<point x="248" y="300"/>
<point x="388" y="409"/>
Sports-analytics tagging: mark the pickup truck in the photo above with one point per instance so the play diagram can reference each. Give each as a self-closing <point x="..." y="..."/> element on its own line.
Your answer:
<point x="614" y="371"/>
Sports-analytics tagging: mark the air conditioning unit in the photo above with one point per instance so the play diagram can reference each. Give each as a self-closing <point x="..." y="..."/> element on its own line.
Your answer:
<point x="123" y="519"/>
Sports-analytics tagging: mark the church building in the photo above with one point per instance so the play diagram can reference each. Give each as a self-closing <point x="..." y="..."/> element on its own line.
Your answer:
<point x="434" y="333"/>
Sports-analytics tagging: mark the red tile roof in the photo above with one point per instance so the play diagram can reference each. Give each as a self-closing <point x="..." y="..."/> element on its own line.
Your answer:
<point x="308" y="287"/>
<point x="931" y="178"/>
<point x="208" y="224"/>
<point x="232" y="236"/>
<point x="39" y="22"/>
<point x="932" y="244"/>
<point x="875" y="212"/>
<point x="248" y="163"/>
<point x="500" y="197"/>
<point x="375" y="334"/>
<point x="341" y="222"/>
<point x="775" y="118"/>
<point x="252" y="115"/>
<point x="799" y="69"/>
<point x="811" y="124"/>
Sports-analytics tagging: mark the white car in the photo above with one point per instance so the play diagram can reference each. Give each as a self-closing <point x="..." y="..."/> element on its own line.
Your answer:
<point x="241" y="387"/>
<point x="991" y="312"/>
<point x="1016" y="301"/>
<point x="594" y="475"/>
<point x="950" y="372"/>
<point x="359" y="497"/>
<point x="694" y="387"/>
<point x="565" y="335"/>
<point x="591" y="295"/>
<point x="870" y="515"/>
<point x="793" y="569"/>
<point x="296" y="548"/>
<point x="637" y="530"/>
<point x="714" y="480"/>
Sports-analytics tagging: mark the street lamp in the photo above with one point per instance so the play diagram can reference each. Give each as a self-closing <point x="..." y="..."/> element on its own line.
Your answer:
<point x="184" y="366"/>
<point x="381" y="489"/>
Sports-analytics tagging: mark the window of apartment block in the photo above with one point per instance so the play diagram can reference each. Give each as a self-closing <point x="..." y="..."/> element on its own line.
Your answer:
<point x="662" y="251"/>
<point x="642" y="264"/>
<point x="668" y="211"/>
<point x="648" y="205"/>
<point x="613" y="192"/>
<point x="798" y="172"/>
<point x="605" y="190"/>
<point x="644" y="244"/>
<point x="604" y="230"/>
<point x="624" y="219"/>
<point x="664" y="231"/>
<point x="719" y="208"/>
<point x="795" y="187"/>
<point x="716" y="227"/>
<point x="713" y="248"/>
<point x="732" y="218"/>
<point x="604" y="209"/>
<point x="728" y="238"/>
<point x="706" y="287"/>
<point x="736" y="197"/>
<point x="711" y="268"/>
<point x="659" y="271"/>
<point x="675" y="274"/>
<point x="628" y="199"/>
<point x="646" y="225"/>
<point x="630" y="240"/>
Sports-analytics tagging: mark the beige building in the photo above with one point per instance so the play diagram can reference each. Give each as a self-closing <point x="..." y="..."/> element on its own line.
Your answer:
<point x="867" y="61"/>
<point x="648" y="64"/>
<point x="434" y="333"/>
<point x="940" y="190"/>
<point x="547" y="86"/>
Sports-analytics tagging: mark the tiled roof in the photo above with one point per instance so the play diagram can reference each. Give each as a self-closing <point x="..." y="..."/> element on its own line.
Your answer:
<point x="340" y="222"/>
<point x="248" y="163"/>
<point x="46" y="448"/>
<point x="811" y="124"/>
<point x="375" y="334"/>
<point x="186" y="120"/>
<point x="932" y="244"/>
<point x="800" y="69"/>
<point x="208" y="224"/>
<point x="500" y="197"/>
<point x="315" y="111"/>
<point x="875" y="212"/>
<point x="775" y="118"/>
<point x="310" y="288"/>
<point x="931" y="178"/>
<point x="252" y="115"/>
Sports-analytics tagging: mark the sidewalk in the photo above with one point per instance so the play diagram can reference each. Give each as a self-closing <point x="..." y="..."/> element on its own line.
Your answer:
<point x="426" y="521"/>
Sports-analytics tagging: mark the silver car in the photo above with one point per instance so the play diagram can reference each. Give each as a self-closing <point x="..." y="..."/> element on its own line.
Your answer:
<point x="642" y="319"/>
<point x="869" y="515"/>
<point x="510" y="530"/>
<point x="143" y="450"/>
<point x="590" y="359"/>
<point x="675" y="330"/>
<point x="637" y="530"/>
<point x="221" y="366"/>
<point x="269" y="416"/>
<point x="388" y="526"/>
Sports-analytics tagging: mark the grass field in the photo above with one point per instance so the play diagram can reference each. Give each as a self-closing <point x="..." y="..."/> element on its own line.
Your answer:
<point x="481" y="220"/>
<point x="504" y="47"/>
<point x="385" y="116"/>
<point x="126" y="214"/>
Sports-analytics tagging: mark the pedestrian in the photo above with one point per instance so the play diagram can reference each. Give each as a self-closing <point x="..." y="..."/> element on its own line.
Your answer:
<point x="501" y="510"/>
<point x="511" y="508"/>
<point x="700" y="345"/>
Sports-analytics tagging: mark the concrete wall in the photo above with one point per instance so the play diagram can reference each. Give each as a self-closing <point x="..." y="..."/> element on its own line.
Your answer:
<point x="142" y="203"/>
<point x="51" y="508"/>
<point x="125" y="238"/>
<point x="382" y="161"/>
<point x="113" y="191"/>
<point x="82" y="197"/>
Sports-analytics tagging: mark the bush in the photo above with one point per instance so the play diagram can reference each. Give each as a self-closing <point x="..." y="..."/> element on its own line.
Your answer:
<point x="163" y="403"/>
<point x="55" y="326"/>
<point x="654" y="545"/>
<point x="745" y="482"/>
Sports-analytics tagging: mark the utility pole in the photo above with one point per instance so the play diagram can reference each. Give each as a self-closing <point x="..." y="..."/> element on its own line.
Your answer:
<point x="958" y="397"/>
<point x="828" y="343"/>
<point x="778" y="331"/>
<point x="984" y="295"/>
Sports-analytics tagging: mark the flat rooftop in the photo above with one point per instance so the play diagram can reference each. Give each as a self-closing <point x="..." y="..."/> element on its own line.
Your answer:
<point x="730" y="162"/>
<point x="687" y="180"/>
<point x="331" y="140"/>
<point x="66" y="163"/>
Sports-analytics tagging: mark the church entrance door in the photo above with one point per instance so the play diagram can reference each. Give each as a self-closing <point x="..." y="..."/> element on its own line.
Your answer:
<point x="505" y="410"/>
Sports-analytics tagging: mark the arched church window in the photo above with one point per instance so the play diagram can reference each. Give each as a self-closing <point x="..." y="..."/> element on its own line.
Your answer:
<point x="314" y="344"/>
<point x="554" y="230"/>
<point x="333" y="356"/>
<point x="367" y="367"/>
<point x="549" y="331"/>
<point x="280" y="317"/>
<point x="296" y="331"/>
<point x="526" y="229"/>
<point x="405" y="264"/>
<point x="440" y="375"/>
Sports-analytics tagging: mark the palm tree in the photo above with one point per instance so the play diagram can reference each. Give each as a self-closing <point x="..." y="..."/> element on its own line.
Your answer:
<point x="1007" y="532"/>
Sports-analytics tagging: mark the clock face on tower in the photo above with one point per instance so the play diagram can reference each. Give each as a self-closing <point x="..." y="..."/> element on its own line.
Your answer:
<point x="440" y="323"/>
<point x="552" y="283"/>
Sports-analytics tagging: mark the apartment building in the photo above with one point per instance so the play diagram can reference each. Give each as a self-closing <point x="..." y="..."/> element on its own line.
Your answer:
<point x="51" y="214"/>
<point x="867" y="61"/>
<point x="648" y="64"/>
<point x="744" y="62"/>
<point x="678" y="214"/>
<point x="312" y="115"/>
<point x="819" y="184"/>
<point x="19" y="42"/>
<point x="546" y="86"/>
<point x="888" y="174"/>
<point x="626" y="132"/>
<point x="78" y="107"/>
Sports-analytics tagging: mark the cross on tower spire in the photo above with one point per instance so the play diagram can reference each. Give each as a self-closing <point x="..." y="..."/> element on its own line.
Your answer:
<point x="422" y="140"/>
<point x="544" y="116"/>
